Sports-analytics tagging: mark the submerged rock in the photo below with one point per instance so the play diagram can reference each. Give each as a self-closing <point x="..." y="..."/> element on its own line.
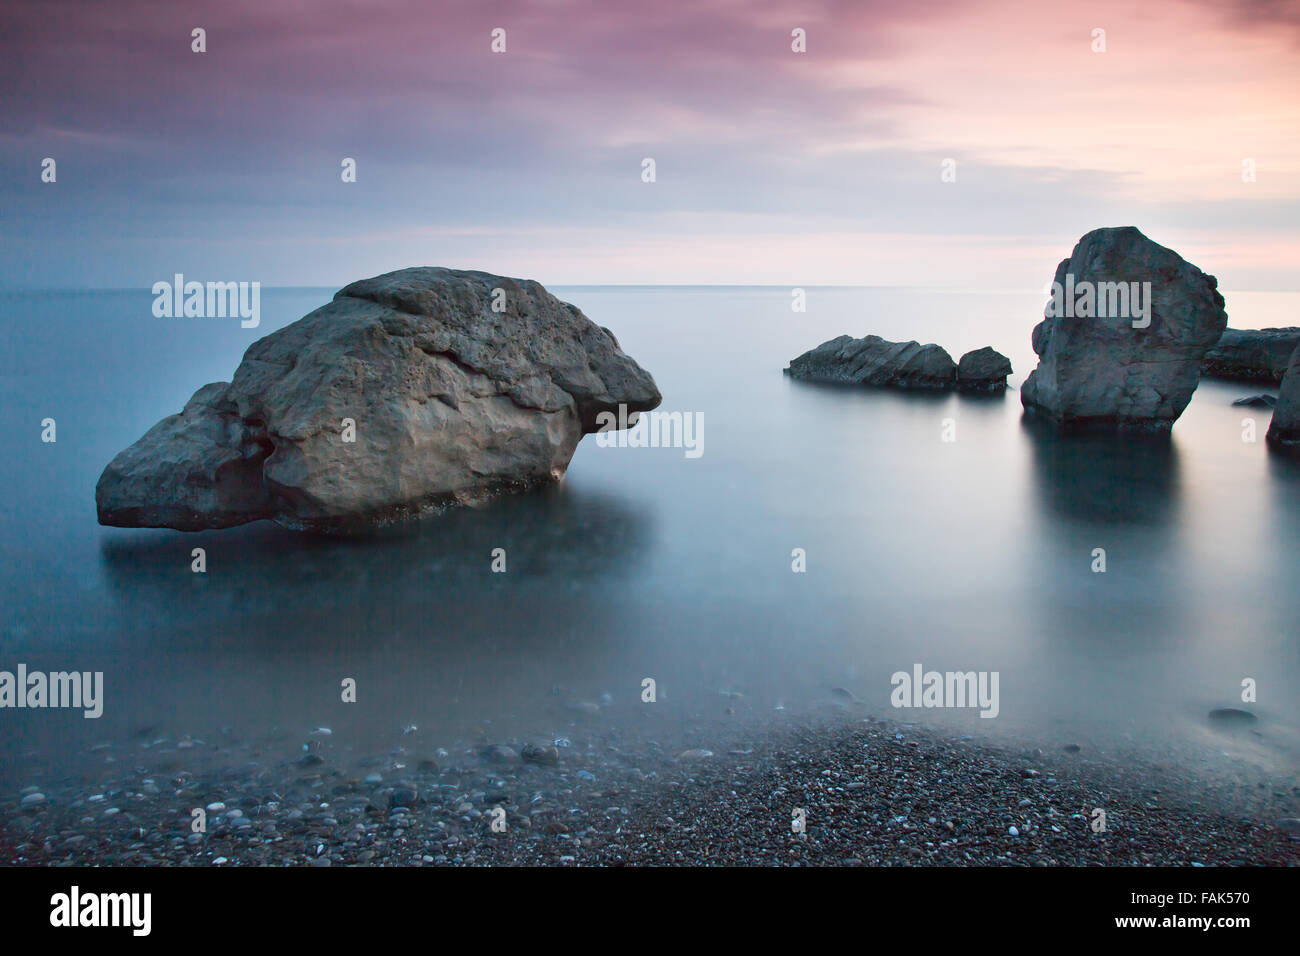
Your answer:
<point x="1251" y="355"/>
<point x="408" y="391"/>
<point x="1257" y="401"/>
<point x="873" y="361"/>
<point x="542" y="754"/>
<point x="1284" y="430"/>
<point x="983" y="370"/>
<point x="696" y="754"/>
<point x="501" y="753"/>
<point x="1123" y="345"/>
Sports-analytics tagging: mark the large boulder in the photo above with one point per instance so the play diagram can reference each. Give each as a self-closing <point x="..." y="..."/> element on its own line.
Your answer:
<point x="1129" y="355"/>
<point x="1251" y="355"/>
<point x="873" y="361"/>
<point x="407" y="392"/>
<point x="1284" y="429"/>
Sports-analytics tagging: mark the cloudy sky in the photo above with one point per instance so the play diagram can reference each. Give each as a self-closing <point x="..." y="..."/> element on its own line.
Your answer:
<point x="772" y="167"/>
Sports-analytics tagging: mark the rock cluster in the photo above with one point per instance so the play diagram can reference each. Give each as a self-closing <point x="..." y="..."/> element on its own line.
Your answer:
<point x="909" y="365"/>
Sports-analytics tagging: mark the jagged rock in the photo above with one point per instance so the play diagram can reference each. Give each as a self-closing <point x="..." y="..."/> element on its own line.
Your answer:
<point x="1257" y="401"/>
<point x="1103" y="369"/>
<point x="1251" y="355"/>
<point x="983" y="370"/>
<point x="448" y="401"/>
<point x="873" y="361"/>
<point x="1284" y="429"/>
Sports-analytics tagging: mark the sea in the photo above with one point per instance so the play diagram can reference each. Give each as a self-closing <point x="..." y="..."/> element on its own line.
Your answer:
<point x="816" y="543"/>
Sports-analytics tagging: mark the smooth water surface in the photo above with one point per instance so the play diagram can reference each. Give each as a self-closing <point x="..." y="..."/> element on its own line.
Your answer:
<point x="974" y="554"/>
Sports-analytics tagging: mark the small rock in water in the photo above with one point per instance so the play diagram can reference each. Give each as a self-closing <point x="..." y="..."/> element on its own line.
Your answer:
<point x="983" y="370"/>
<point x="1257" y="401"/>
<point x="1012" y="831"/>
<point x="500" y="753"/>
<point x="1071" y="748"/>
<point x="1232" y="716"/>
<point x="33" y="800"/>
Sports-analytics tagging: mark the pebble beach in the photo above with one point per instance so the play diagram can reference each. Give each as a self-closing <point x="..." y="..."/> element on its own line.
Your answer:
<point x="819" y="790"/>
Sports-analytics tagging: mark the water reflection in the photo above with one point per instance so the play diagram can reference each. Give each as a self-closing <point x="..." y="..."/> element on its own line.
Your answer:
<point x="558" y="532"/>
<point x="1105" y="477"/>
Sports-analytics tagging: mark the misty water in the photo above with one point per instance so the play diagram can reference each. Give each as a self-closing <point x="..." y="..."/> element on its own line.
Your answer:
<point x="974" y="554"/>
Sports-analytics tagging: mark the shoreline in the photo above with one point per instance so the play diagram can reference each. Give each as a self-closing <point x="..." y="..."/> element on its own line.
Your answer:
<point x="872" y="792"/>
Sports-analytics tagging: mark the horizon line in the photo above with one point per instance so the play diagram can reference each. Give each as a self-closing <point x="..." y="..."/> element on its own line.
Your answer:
<point x="964" y="290"/>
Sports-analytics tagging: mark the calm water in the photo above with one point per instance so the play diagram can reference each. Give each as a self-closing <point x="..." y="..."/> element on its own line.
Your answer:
<point x="969" y="555"/>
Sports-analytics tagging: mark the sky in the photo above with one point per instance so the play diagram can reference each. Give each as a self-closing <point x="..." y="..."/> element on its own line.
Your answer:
<point x="772" y="167"/>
